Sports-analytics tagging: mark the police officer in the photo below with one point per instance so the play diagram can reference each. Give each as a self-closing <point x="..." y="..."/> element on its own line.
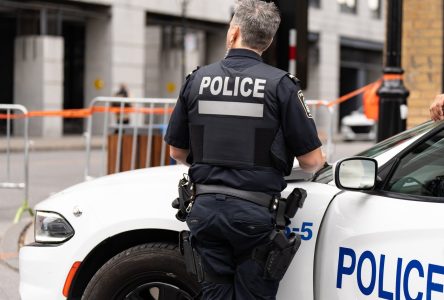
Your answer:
<point x="239" y="123"/>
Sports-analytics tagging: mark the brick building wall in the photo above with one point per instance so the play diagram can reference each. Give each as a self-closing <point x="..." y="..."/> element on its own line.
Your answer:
<point x="422" y="55"/>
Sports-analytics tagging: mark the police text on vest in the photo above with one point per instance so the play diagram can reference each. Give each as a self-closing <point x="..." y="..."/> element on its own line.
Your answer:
<point x="245" y="86"/>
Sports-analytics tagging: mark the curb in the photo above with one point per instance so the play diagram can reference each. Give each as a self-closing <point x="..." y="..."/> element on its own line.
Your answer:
<point x="10" y="243"/>
<point x="51" y="144"/>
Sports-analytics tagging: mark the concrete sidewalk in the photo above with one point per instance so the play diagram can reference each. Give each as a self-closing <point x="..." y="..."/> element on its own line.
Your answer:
<point x="77" y="142"/>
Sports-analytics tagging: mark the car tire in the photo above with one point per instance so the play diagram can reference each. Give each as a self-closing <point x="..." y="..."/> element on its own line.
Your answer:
<point x="149" y="271"/>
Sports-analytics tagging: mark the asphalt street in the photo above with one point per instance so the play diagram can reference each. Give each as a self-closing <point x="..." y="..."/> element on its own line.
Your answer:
<point x="50" y="172"/>
<point x="53" y="171"/>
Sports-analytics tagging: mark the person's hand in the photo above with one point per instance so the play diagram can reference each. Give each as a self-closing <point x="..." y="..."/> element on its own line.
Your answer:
<point x="437" y="107"/>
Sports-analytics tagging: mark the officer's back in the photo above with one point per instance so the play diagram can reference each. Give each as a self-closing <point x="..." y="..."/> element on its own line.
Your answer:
<point x="239" y="123"/>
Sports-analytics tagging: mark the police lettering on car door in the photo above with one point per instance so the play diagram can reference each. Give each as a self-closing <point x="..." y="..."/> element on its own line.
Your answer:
<point x="408" y="278"/>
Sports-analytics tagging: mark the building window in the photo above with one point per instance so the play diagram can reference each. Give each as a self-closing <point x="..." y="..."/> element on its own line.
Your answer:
<point x="348" y="6"/>
<point x="375" y="8"/>
<point x="314" y="3"/>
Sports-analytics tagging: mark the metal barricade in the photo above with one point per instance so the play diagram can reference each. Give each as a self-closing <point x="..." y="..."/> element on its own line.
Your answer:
<point x="323" y="115"/>
<point x="157" y="112"/>
<point x="16" y="113"/>
<point x="147" y="114"/>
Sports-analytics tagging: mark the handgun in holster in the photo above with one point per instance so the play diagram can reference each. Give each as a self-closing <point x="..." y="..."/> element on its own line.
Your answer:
<point x="281" y="254"/>
<point x="186" y="196"/>
<point x="192" y="259"/>
<point x="278" y="254"/>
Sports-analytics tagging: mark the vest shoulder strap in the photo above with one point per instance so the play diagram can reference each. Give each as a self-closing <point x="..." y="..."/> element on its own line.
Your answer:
<point x="191" y="73"/>
<point x="293" y="78"/>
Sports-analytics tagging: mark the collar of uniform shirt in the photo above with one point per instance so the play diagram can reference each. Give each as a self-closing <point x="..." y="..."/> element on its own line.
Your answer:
<point x="243" y="53"/>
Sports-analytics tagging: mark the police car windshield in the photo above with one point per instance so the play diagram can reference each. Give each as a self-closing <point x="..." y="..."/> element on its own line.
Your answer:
<point x="400" y="138"/>
<point x="326" y="174"/>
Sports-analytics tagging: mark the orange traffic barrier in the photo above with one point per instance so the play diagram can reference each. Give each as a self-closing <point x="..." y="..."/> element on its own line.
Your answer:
<point x="86" y="112"/>
<point x="370" y="101"/>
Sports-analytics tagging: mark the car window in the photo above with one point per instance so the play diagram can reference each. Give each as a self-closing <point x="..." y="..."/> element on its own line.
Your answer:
<point x="326" y="174"/>
<point x="421" y="171"/>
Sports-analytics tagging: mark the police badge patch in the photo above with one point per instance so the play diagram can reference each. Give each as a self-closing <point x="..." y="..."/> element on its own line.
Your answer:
<point x="304" y="105"/>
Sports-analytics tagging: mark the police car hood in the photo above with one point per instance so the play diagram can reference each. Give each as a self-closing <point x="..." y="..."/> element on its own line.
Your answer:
<point x="144" y="193"/>
<point x="111" y="205"/>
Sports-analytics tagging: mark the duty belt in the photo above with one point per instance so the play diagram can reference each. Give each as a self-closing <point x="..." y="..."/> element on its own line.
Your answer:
<point x="262" y="199"/>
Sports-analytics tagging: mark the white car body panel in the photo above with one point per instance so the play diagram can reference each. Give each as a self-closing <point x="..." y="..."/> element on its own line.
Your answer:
<point x="141" y="199"/>
<point x="357" y="224"/>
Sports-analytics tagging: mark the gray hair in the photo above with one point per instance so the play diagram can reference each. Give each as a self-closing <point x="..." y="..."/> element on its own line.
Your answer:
<point x="258" y="22"/>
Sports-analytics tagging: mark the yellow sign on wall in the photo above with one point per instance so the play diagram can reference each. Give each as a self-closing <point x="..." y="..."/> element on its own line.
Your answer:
<point x="171" y="87"/>
<point x="99" y="84"/>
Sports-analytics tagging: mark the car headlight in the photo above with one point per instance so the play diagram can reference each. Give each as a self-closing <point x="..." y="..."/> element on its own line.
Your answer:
<point x="50" y="227"/>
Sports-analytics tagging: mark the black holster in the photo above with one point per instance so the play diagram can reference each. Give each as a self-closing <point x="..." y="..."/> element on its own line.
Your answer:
<point x="184" y="201"/>
<point x="277" y="256"/>
<point x="192" y="259"/>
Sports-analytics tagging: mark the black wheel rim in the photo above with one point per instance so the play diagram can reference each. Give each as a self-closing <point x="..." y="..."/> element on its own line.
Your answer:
<point x="157" y="291"/>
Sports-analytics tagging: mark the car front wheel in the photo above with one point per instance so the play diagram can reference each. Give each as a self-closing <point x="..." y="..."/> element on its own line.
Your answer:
<point x="149" y="271"/>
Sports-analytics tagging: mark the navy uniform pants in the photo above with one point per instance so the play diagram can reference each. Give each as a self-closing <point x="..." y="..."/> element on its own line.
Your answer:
<point x="225" y="230"/>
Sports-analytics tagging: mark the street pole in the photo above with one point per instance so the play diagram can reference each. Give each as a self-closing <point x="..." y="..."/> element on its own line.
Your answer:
<point x="184" y="33"/>
<point x="392" y="93"/>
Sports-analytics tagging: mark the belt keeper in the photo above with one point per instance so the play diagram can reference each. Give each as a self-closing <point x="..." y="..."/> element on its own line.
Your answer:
<point x="280" y="214"/>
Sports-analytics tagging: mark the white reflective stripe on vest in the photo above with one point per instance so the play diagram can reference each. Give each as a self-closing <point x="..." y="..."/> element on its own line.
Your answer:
<point x="223" y="108"/>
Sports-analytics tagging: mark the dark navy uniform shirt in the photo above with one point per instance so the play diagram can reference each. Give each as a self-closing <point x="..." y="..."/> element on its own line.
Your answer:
<point x="296" y="122"/>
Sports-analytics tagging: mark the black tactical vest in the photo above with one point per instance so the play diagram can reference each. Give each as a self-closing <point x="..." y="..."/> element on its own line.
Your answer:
<point x="234" y="118"/>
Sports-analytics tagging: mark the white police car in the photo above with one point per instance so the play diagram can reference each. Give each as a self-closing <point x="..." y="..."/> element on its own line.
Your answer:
<point x="116" y="237"/>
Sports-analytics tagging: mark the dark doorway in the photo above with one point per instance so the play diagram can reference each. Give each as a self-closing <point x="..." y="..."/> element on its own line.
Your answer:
<point x="349" y="81"/>
<point x="74" y="72"/>
<point x="7" y="38"/>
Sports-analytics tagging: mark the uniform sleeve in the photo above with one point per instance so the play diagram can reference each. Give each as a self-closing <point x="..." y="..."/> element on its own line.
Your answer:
<point x="178" y="134"/>
<point x="298" y="125"/>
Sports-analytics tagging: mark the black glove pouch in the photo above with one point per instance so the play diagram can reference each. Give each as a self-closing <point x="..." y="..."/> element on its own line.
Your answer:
<point x="294" y="201"/>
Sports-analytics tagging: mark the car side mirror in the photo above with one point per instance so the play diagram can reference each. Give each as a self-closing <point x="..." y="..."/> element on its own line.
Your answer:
<point x="356" y="173"/>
